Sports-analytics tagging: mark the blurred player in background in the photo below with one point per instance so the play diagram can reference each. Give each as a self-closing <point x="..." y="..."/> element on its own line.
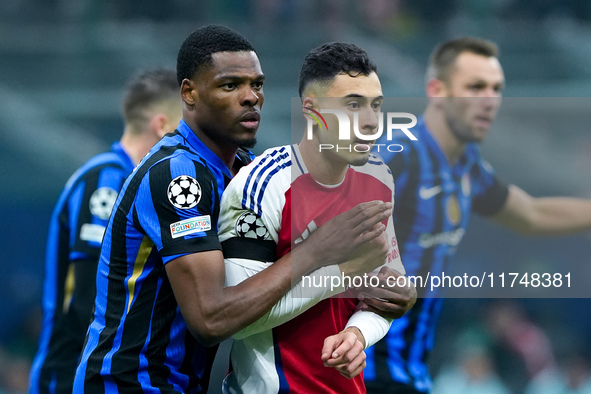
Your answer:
<point x="161" y="303"/>
<point x="151" y="108"/>
<point x="439" y="180"/>
<point x="279" y="200"/>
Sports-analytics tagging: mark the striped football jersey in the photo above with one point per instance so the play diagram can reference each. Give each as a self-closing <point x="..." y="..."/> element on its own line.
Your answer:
<point x="138" y="340"/>
<point x="431" y="215"/>
<point x="76" y="230"/>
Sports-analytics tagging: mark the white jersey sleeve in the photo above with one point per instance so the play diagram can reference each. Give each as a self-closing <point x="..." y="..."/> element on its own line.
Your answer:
<point x="291" y="304"/>
<point x="373" y="326"/>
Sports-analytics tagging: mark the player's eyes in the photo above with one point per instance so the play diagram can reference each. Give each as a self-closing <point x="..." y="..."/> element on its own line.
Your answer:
<point x="230" y="86"/>
<point x="376" y="106"/>
<point x="353" y="105"/>
<point x="257" y="85"/>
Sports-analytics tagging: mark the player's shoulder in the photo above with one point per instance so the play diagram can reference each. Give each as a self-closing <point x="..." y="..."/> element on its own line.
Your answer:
<point x="472" y="150"/>
<point x="396" y="145"/>
<point x="173" y="157"/>
<point x="480" y="164"/>
<point x="106" y="160"/>
<point x="375" y="160"/>
<point x="260" y="187"/>
<point x="268" y="176"/>
<point x="272" y="165"/>
<point x="375" y="167"/>
<point x="277" y="157"/>
<point x="98" y="165"/>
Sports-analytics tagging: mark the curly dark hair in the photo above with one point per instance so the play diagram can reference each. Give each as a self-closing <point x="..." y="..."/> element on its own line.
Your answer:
<point x="195" y="52"/>
<point x="328" y="60"/>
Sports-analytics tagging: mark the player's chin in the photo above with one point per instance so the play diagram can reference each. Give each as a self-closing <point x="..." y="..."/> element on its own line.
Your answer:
<point x="479" y="135"/>
<point x="475" y="135"/>
<point x="359" y="159"/>
<point x="247" y="141"/>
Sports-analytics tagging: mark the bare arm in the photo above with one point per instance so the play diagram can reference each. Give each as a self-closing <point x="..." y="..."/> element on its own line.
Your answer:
<point x="214" y="312"/>
<point x="544" y="215"/>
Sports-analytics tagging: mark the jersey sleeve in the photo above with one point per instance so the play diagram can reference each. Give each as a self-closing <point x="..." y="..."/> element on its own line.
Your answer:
<point x="177" y="206"/>
<point x="292" y="304"/>
<point x="490" y="193"/>
<point x="89" y="207"/>
<point x="373" y="326"/>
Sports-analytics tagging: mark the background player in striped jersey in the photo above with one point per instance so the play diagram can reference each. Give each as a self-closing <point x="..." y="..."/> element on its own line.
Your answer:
<point x="275" y="203"/>
<point x="151" y="108"/>
<point x="160" y="279"/>
<point x="440" y="179"/>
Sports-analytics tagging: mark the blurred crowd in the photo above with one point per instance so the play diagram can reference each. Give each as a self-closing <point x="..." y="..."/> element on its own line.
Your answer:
<point x="507" y="351"/>
<point x="379" y="16"/>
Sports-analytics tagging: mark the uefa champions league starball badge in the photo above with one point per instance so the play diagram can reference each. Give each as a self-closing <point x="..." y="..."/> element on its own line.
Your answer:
<point x="184" y="192"/>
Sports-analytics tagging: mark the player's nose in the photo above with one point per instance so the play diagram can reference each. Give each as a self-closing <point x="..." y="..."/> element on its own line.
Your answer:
<point x="369" y="119"/>
<point x="250" y="96"/>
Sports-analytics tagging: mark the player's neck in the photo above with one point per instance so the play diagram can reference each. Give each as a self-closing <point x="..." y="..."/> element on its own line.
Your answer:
<point x="450" y="146"/>
<point x="226" y="152"/>
<point x="324" y="170"/>
<point x="136" y="145"/>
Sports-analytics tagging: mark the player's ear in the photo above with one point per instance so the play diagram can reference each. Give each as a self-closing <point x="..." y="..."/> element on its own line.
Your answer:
<point x="436" y="88"/>
<point x="160" y="125"/>
<point x="188" y="91"/>
<point x="309" y="102"/>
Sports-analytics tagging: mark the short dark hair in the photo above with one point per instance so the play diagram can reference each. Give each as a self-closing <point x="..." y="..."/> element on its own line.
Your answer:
<point x="444" y="55"/>
<point x="196" y="50"/>
<point x="327" y="61"/>
<point x="147" y="88"/>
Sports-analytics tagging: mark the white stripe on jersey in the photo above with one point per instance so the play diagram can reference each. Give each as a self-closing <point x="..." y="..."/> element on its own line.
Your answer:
<point x="265" y="166"/>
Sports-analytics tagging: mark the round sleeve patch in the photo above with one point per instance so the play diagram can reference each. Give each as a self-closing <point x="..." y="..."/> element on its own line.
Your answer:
<point x="184" y="192"/>
<point x="250" y="225"/>
<point x="102" y="201"/>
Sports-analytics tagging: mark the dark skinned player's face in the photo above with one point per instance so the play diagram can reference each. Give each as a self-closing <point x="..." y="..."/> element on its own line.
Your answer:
<point x="228" y="97"/>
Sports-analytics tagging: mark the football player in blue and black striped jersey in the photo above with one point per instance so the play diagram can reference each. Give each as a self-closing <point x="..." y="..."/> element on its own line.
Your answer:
<point x="151" y="108"/>
<point x="440" y="179"/>
<point x="161" y="299"/>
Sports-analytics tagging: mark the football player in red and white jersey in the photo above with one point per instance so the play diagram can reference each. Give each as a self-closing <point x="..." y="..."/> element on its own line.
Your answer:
<point x="313" y="340"/>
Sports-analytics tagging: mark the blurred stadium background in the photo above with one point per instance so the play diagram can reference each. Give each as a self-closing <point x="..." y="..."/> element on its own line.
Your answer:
<point x="63" y="64"/>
